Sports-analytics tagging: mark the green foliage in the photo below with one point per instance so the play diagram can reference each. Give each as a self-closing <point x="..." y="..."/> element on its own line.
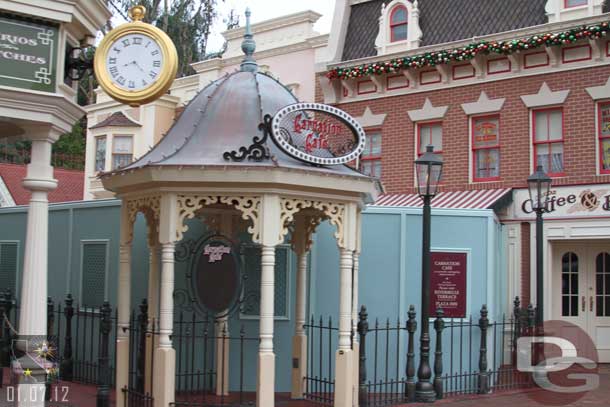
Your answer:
<point x="186" y="22"/>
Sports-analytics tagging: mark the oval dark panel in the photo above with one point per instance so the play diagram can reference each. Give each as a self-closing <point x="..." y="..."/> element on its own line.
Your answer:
<point x="216" y="279"/>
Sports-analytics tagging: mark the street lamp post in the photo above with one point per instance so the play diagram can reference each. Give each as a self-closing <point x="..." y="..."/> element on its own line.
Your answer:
<point x="429" y="168"/>
<point x="539" y="184"/>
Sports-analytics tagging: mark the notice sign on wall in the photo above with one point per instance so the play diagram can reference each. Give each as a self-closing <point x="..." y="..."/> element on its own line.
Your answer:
<point x="448" y="283"/>
<point x="28" y="54"/>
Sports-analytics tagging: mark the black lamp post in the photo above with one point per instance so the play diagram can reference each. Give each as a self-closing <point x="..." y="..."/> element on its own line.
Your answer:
<point x="539" y="184"/>
<point x="429" y="168"/>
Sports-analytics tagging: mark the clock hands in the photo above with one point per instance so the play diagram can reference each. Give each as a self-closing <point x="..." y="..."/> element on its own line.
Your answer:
<point x="134" y="62"/>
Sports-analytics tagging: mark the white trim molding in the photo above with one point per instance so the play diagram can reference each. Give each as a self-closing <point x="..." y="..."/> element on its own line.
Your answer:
<point x="600" y="92"/>
<point x="383" y="42"/>
<point x="428" y="112"/>
<point x="483" y="105"/>
<point x="556" y="10"/>
<point x="545" y="97"/>
<point x="369" y="119"/>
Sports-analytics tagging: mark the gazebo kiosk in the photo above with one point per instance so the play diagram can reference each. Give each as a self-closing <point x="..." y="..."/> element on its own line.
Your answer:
<point x="214" y="160"/>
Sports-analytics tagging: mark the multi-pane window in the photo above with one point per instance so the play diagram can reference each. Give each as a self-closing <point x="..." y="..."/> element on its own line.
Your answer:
<point x="604" y="138"/>
<point x="548" y="140"/>
<point x="602" y="284"/>
<point x="94" y="268"/>
<point x="575" y="3"/>
<point x="429" y="134"/>
<point x="122" y="151"/>
<point x="100" y="153"/>
<point x="399" y="25"/>
<point x="569" y="285"/>
<point x="370" y="160"/>
<point x="252" y="283"/>
<point x="8" y="266"/>
<point x="486" y="148"/>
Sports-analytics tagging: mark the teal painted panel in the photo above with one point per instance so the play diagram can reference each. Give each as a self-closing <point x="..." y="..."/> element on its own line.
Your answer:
<point x="94" y="274"/>
<point x="8" y="265"/>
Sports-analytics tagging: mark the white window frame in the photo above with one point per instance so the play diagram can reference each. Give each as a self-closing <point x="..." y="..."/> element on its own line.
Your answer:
<point x="95" y="139"/>
<point x="112" y="153"/>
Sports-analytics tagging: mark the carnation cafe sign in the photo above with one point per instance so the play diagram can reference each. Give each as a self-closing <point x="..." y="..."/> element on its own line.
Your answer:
<point x="576" y="201"/>
<point x="448" y="283"/>
<point x="317" y="134"/>
<point x="215" y="253"/>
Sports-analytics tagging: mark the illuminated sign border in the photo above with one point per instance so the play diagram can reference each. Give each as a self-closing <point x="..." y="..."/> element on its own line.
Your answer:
<point x="343" y="117"/>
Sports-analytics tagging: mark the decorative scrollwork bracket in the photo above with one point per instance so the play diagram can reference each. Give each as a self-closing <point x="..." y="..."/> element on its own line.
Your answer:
<point x="78" y="62"/>
<point x="257" y="151"/>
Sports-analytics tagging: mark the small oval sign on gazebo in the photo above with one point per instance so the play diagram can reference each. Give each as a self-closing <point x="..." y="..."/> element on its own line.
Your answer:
<point x="317" y="134"/>
<point x="216" y="278"/>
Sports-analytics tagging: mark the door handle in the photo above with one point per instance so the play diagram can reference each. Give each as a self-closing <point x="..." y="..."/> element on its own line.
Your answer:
<point x="584" y="303"/>
<point x="591" y="303"/>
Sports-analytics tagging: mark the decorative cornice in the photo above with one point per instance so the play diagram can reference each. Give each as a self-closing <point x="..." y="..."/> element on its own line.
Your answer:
<point x="545" y="97"/>
<point x="483" y="105"/>
<point x="600" y="92"/>
<point x="368" y="119"/>
<point x="274" y="24"/>
<point x="428" y="112"/>
<point x="501" y="44"/>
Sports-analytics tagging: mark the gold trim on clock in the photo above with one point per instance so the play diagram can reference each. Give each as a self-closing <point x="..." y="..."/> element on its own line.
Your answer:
<point x="168" y="70"/>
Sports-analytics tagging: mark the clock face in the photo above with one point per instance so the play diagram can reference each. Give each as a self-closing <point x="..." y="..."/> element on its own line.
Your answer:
<point x="134" y="62"/>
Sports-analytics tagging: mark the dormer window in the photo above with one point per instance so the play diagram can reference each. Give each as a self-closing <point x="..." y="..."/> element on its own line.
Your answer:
<point x="575" y="3"/>
<point x="399" y="24"/>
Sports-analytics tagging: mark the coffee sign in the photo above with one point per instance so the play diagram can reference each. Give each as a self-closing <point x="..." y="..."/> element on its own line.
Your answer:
<point x="317" y="134"/>
<point x="28" y="54"/>
<point x="577" y="201"/>
<point x="448" y="283"/>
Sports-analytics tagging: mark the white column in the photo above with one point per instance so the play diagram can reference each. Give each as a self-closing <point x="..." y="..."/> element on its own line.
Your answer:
<point x="265" y="392"/>
<point x="123" y="306"/>
<point x="299" y="340"/>
<point x="222" y="355"/>
<point x="33" y="316"/>
<point x="344" y="360"/>
<point x="153" y="310"/>
<point x="165" y="355"/>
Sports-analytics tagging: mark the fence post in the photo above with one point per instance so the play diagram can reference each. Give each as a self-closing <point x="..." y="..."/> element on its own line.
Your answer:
<point x="439" y="325"/>
<point x="141" y="356"/>
<point x="411" y="328"/>
<point x="50" y="325"/>
<point x="67" y="364"/>
<point x="483" y="376"/>
<point x="4" y="331"/>
<point x="103" y="387"/>
<point x="363" y="327"/>
<point x="531" y="319"/>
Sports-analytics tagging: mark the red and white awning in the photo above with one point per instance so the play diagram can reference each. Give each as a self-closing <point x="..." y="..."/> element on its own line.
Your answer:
<point x="474" y="199"/>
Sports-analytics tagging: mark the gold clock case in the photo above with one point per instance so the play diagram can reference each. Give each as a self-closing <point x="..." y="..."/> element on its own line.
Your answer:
<point x="166" y="76"/>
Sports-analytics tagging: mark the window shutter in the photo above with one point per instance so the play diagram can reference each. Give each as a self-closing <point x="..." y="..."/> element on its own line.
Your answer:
<point x="93" y="274"/>
<point x="8" y="266"/>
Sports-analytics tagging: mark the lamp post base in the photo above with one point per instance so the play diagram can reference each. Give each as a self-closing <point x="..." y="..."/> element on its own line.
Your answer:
<point x="424" y="392"/>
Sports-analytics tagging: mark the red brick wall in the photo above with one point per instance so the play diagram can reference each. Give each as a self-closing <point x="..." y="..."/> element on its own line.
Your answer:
<point x="398" y="138"/>
<point x="525" y="264"/>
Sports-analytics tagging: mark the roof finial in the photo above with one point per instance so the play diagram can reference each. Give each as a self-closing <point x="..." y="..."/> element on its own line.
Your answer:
<point x="248" y="46"/>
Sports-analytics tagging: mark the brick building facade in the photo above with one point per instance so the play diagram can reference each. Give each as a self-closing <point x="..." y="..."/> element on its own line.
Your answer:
<point x="497" y="87"/>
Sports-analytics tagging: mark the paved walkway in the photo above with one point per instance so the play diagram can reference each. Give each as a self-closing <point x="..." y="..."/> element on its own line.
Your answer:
<point x="85" y="396"/>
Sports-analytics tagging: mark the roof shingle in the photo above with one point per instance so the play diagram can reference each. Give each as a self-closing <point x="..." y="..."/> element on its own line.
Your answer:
<point x="444" y="21"/>
<point x="117" y="119"/>
<point x="70" y="184"/>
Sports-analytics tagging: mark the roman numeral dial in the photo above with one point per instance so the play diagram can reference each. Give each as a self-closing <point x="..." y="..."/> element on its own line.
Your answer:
<point x="134" y="62"/>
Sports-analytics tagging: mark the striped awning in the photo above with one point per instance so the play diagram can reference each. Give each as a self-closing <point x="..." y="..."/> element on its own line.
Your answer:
<point x="474" y="199"/>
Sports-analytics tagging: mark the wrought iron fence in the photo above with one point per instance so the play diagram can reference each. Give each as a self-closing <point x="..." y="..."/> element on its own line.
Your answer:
<point x="321" y="340"/>
<point x="14" y="155"/>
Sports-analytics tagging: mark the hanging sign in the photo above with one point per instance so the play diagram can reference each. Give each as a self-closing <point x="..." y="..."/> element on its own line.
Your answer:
<point x="28" y="54"/>
<point x="216" y="278"/>
<point x="567" y="202"/>
<point x="317" y="134"/>
<point x="448" y="283"/>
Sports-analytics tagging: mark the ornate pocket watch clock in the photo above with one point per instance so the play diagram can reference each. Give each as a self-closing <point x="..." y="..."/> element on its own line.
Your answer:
<point x="136" y="62"/>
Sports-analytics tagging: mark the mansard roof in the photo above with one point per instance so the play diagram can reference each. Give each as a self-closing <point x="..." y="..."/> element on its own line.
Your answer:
<point x="443" y="21"/>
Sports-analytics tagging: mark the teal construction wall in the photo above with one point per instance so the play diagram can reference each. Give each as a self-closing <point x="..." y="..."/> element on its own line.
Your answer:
<point x="389" y="278"/>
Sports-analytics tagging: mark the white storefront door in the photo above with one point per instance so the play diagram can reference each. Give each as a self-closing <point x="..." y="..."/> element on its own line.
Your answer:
<point x="581" y="290"/>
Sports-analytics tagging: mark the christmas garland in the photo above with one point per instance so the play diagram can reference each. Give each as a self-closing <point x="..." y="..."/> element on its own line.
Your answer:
<point x="470" y="51"/>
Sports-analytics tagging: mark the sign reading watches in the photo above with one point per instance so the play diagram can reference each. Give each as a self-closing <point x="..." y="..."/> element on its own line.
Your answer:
<point x="28" y="54"/>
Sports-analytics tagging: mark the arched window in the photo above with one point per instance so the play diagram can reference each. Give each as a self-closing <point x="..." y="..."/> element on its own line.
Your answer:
<point x="399" y="24"/>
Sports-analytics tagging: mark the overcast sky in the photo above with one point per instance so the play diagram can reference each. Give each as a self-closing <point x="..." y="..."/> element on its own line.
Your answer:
<point x="267" y="9"/>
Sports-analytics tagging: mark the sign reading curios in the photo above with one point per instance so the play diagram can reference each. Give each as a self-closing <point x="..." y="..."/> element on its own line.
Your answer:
<point x="28" y="54"/>
<point x="317" y="134"/>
